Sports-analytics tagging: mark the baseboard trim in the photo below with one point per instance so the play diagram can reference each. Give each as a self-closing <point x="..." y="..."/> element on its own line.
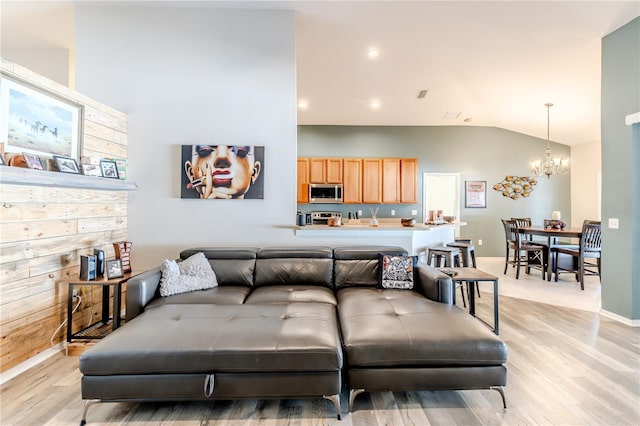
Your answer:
<point x="30" y="363"/>
<point x="620" y="318"/>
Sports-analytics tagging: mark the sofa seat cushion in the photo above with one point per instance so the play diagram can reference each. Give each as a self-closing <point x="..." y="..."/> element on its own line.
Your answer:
<point x="221" y="295"/>
<point x="291" y="293"/>
<point x="177" y="339"/>
<point x="385" y="328"/>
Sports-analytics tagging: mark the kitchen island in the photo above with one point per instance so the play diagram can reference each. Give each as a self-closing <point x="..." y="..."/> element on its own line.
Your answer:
<point x="415" y="239"/>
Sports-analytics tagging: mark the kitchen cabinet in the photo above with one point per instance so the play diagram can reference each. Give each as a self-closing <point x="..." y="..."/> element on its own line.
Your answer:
<point x="352" y="180"/>
<point x="325" y="170"/>
<point x="372" y="180"/>
<point x="409" y="180"/>
<point x="303" y="180"/>
<point x="391" y="180"/>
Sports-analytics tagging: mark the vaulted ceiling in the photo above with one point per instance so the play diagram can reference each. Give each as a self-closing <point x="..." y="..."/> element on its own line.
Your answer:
<point x="480" y="63"/>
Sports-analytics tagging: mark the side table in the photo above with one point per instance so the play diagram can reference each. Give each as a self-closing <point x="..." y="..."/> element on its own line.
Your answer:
<point x="472" y="275"/>
<point x="97" y="329"/>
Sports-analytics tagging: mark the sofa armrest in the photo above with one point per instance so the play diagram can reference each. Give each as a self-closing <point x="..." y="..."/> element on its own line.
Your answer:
<point x="435" y="285"/>
<point x="141" y="289"/>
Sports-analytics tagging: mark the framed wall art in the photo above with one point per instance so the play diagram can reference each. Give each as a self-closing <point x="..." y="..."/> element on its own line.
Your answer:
<point x="33" y="161"/>
<point x="224" y="172"/>
<point x="475" y="194"/>
<point x="37" y="121"/>
<point x="66" y="164"/>
<point x="109" y="169"/>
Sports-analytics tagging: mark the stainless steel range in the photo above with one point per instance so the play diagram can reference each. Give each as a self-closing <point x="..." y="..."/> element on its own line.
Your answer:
<point x="321" y="218"/>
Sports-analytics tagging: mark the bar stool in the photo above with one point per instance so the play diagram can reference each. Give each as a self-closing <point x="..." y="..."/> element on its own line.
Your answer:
<point x="468" y="254"/>
<point x="451" y="257"/>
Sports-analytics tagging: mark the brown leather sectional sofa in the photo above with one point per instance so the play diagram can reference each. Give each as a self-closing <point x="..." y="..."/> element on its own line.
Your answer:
<point x="296" y="322"/>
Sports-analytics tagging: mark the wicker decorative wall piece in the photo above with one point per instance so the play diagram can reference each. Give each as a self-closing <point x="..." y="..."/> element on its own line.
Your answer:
<point x="123" y="251"/>
<point x="515" y="187"/>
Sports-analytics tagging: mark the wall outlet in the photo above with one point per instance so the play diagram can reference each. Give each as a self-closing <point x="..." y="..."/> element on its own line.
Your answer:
<point x="479" y="242"/>
<point x="393" y="212"/>
<point x="613" y="223"/>
<point x="359" y="213"/>
<point x="75" y="293"/>
<point x="414" y="212"/>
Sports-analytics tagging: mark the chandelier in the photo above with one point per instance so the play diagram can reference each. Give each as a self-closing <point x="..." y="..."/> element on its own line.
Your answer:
<point x="549" y="166"/>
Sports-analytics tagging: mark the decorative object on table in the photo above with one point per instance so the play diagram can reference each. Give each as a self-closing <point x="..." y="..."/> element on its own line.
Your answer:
<point x="238" y="176"/>
<point x="436" y="217"/>
<point x="109" y="169"/>
<point x="88" y="267"/>
<point x="114" y="269"/>
<point x="99" y="254"/>
<point x="91" y="170"/>
<point x="37" y="121"/>
<point x="449" y="219"/>
<point x="66" y="164"/>
<point x="123" y="252"/>
<point x="373" y="222"/>
<point x="16" y="160"/>
<point x="515" y="187"/>
<point x="554" y="224"/>
<point x="475" y="194"/>
<point x="549" y="166"/>
<point x="408" y="221"/>
<point x="334" y="221"/>
<point x="555" y="215"/>
<point x="33" y="161"/>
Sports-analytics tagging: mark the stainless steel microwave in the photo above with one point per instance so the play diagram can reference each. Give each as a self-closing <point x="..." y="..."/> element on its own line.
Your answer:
<point x="325" y="193"/>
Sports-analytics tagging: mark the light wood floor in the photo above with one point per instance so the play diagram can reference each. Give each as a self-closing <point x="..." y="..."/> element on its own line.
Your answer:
<point x="566" y="367"/>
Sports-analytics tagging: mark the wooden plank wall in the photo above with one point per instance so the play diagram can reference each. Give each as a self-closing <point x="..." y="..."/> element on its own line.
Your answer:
<point x="44" y="230"/>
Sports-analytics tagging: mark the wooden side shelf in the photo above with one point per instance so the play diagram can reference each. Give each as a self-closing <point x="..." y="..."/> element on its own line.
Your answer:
<point x="23" y="176"/>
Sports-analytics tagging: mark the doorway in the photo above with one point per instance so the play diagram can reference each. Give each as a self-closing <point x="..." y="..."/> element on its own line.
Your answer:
<point x="441" y="191"/>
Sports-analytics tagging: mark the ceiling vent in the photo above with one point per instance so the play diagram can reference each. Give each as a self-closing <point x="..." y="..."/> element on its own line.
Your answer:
<point x="422" y="94"/>
<point x="451" y="115"/>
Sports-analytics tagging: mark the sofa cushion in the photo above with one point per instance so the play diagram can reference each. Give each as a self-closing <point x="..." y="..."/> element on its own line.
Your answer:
<point x="294" y="265"/>
<point x="221" y="295"/>
<point x="358" y="265"/>
<point x="194" y="273"/>
<point x="396" y="328"/>
<point x="298" y="337"/>
<point x="291" y="293"/>
<point x="232" y="266"/>
<point x="397" y="272"/>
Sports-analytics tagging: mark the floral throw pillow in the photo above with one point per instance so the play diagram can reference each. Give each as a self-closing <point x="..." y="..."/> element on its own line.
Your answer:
<point x="397" y="272"/>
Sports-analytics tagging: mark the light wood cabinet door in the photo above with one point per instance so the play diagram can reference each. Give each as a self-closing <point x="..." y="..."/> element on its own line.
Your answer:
<point x="333" y="170"/>
<point x="303" y="180"/>
<point x="372" y="180"/>
<point x="317" y="170"/>
<point x="352" y="180"/>
<point x="391" y="180"/>
<point x="409" y="180"/>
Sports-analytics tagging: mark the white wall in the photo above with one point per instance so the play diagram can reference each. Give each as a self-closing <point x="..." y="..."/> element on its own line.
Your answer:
<point x="585" y="167"/>
<point x="190" y="76"/>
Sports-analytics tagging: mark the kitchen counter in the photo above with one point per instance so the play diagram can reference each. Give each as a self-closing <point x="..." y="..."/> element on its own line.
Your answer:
<point x="415" y="239"/>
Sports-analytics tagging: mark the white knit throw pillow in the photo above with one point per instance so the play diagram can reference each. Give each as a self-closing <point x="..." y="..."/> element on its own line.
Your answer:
<point x="194" y="273"/>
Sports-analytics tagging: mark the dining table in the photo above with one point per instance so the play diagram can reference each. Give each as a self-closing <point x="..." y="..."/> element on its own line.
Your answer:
<point x="551" y="233"/>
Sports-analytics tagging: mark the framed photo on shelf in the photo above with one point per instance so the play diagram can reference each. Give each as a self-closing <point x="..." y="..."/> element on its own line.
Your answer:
<point x="91" y="170"/>
<point x="66" y="164"/>
<point x="2" y="160"/>
<point x="475" y="194"/>
<point x="109" y="169"/>
<point x="32" y="160"/>
<point x="114" y="269"/>
<point x="37" y="121"/>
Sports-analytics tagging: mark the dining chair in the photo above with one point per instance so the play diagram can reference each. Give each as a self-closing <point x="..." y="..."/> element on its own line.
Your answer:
<point x="528" y="254"/>
<point x="589" y="248"/>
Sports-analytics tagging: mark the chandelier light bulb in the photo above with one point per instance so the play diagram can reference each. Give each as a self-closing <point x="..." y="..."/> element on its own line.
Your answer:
<point x="549" y="166"/>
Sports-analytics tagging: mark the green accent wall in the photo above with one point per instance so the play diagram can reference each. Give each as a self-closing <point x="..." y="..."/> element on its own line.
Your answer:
<point x="620" y="176"/>
<point x="477" y="153"/>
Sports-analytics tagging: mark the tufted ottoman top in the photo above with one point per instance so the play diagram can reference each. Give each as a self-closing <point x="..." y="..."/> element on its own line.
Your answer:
<point x="400" y="328"/>
<point x="175" y="339"/>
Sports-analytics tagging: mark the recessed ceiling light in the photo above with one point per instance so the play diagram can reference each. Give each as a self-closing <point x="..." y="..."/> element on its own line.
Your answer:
<point x="373" y="52"/>
<point x="422" y="94"/>
<point x="451" y="115"/>
<point x="303" y="104"/>
<point x="374" y="104"/>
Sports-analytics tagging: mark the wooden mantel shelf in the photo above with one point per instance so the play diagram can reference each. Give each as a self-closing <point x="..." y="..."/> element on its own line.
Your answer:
<point x="23" y="176"/>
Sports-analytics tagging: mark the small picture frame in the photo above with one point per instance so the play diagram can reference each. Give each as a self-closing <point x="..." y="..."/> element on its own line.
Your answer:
<point x="66" y="164"/>
<point x="109" y="169"/>
<point x="114" y="268"/>
<point x="33" y="161"/>
<point x="91" y="170"/>
<point x="475" y="194"/>
<point x="2" y="163"/>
